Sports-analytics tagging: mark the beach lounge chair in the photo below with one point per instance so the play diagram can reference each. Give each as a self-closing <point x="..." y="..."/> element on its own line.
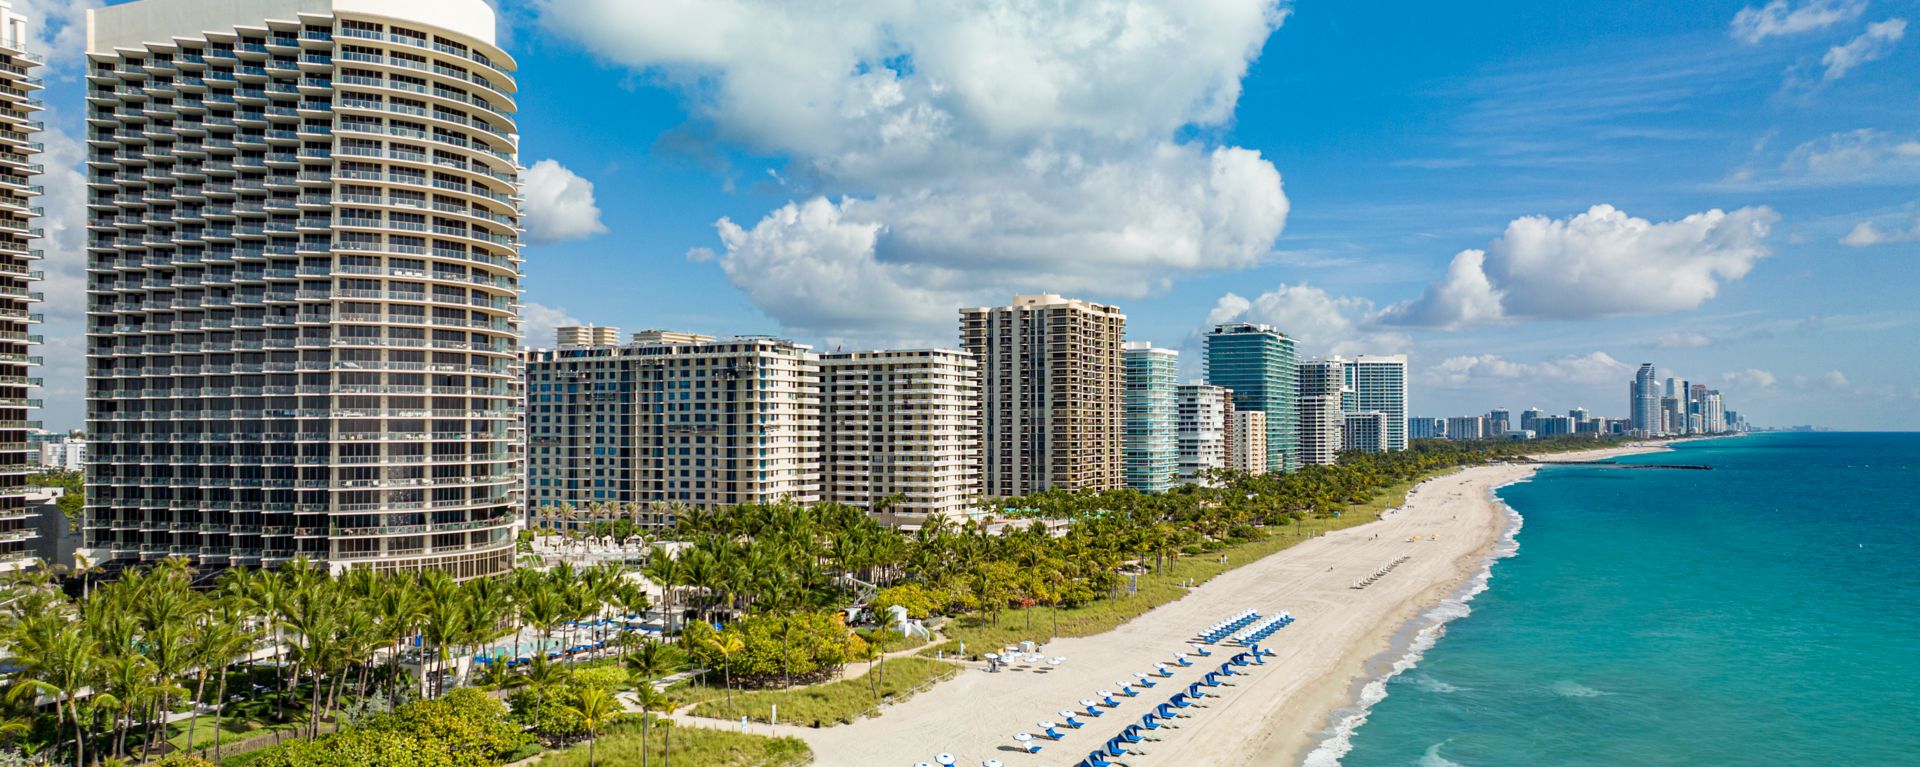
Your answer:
<point x="1049" y="729"/>
<point x="1097" y="759"/>
<point x="1194" y="691"/>
<point x="1181" y="700"/>
<point x="1026" y="742"/>
<point x="1106" y="699"/>
<point x="1150" y="721"/>
<point x="1091" y="708"/>
<point x="1116" y="747"/>
<point x="1166" y="711"/>
<point x="1180" y="659"/>
<point x="1201" y="651"/>
<point x="1162" y="670"/>
<point x="1146" y="680"/>
<point x="1067" y="716"/>
<point x="1126" y="689"/>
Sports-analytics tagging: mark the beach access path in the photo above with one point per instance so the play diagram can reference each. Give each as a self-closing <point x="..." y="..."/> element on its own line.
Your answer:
<point x="1270" y="715"/>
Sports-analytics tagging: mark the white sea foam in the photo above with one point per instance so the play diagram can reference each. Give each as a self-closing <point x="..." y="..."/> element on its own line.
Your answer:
<point x="1427" y="683"/>
<point x="1339" y="740"/>
<point x="1567" y="688"/>
<point x="1432" y="758"/>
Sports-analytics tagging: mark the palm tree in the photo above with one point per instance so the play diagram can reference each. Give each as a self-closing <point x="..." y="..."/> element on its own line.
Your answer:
<point x="56" y="661"/>
<point x="650" y="700"/>
<point x="543" y="675"/>
<point x="218" y="641"/>
<point x="595" y="706"/>
<point x="727" y="646"/>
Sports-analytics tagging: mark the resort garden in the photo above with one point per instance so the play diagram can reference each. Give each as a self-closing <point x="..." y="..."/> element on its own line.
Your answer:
<point x="753" y="609"/>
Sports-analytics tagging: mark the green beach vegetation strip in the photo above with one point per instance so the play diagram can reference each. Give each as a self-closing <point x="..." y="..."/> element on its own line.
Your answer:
<point x="821" y="705"/>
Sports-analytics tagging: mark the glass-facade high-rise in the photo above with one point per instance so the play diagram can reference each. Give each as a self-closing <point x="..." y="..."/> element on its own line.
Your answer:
<point x="1379" y="385"/>
<point x="303" y="294"/>
<point x="1151" y="447"/>
<point x="1261" y="365"/>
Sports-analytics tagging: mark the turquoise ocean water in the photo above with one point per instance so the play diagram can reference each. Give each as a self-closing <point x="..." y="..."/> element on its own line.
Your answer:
<point x="1763" y="613"/>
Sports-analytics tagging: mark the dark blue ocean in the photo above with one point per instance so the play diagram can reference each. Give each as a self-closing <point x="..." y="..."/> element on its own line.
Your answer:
<point x="1763" y="613"/>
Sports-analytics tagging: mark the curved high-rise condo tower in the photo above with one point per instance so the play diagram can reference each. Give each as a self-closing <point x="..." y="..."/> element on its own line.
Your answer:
<point x="303" y="284"/>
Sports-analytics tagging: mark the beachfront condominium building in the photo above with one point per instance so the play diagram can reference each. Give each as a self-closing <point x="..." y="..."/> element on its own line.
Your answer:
<point x="303" y="283"/>
<point x="1247" y="442"/>
<point x="1151" y="450"/>
<point x="1323" y="383"/>
<point x="1426" y="428"/>
<point x="900" y="432"/>
<point x="1052" y="384"/>
<point x="1530" y="418"/>
<point x="1203" y="418"/>
<point x="19" y="105"/>
<point x="698" y="423"/>
<point x="1643" y="402"/>
<point x="1499" y="419"/>
<point x="1467" y="427"/>
<point x="1367" y="432"/>
<point x="587" y="335"/>
<point x="1261" y="367"/>
<point x="1379" y="384"/>
<point x="1714" y="411"/>
<point x="1579" y="414"/>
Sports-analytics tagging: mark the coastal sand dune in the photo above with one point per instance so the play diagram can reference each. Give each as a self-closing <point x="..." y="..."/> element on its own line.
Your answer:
<point x="1268" y="717"/>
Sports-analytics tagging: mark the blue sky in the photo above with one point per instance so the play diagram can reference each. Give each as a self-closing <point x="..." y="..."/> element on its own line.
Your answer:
<point x="1530" y="198"/>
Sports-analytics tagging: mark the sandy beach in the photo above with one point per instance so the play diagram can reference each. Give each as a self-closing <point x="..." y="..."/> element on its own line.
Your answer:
<point x="1271" y="716"/>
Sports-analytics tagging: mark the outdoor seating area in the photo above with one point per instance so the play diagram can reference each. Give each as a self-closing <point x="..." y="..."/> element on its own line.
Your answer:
<point x="1246" y="628"/>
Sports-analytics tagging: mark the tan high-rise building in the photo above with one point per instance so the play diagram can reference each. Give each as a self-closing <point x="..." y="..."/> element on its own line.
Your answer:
<point x="704" y="424"/>
<point x="1052" y="379"/>
<point x="1322" y="387"/>
<point x="901" y="432"/>
<point x="1247" y="445"/>
<point x="586" y="336"/>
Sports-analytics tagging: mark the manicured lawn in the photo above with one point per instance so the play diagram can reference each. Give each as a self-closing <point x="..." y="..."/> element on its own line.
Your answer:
<point x="829" y="704"/>
<point x="980" y="634"/>
<point x="233" y="729"/>
<point x="692" y="747"/>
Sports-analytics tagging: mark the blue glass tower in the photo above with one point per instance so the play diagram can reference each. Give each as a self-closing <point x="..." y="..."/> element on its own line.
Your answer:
<point x="1261" y="365"/>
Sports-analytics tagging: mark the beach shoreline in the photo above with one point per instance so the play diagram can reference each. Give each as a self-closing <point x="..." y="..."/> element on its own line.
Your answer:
<point x="1447" y="529"/>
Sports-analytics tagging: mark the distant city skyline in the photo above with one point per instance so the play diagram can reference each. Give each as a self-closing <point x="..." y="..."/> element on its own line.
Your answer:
<point x="1740" y="206"/>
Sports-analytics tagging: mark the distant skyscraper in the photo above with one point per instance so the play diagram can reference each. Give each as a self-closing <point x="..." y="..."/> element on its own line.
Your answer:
<point x="1366" y="432"/>
<point x="1467" y="427"/>
<point x="1426" y="428"/>
<point x="1579" y="414"/>
<point x="1152" y="447"/>
<point x="1643" y="402"/>
<point x="1499" y="420"/>
<point x="586" y="336"/>
<point x="1052" y="380"/>
<point x="1260" y="365"/>
<point x="1203" y="414"/>
<point x="1530" y="419"/>
<point x="1322" y="383"/>
<point x="1247" y="447"/>
<point x="1379" y="383"/>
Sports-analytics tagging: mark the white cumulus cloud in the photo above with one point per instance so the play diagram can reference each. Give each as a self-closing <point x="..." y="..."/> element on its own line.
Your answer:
<point x="1835" y="379"/>
<point x="560" y="204"/>
<point x="1779" y="18"/>
<point x="951" y="153"/>
<point x="1869" y="233"/>
<point x="1682" y="339"/>
<point x="1594" y="368"/>
<point x="1601" y="263"/>
<point x="1319" y="322"/>
<point x="1751" y="377"/>
<point x="538" y="321"/>
<point x="1872" y="45"/>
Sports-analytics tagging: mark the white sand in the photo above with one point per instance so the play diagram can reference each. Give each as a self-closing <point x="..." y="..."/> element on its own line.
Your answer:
<point x="1270" y="716"/>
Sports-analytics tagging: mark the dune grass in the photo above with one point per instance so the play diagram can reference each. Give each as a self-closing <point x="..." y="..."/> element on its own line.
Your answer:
<point x="620" y="744"/>
<point x="828" y="704"/>
<point x="981" y="634"/>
